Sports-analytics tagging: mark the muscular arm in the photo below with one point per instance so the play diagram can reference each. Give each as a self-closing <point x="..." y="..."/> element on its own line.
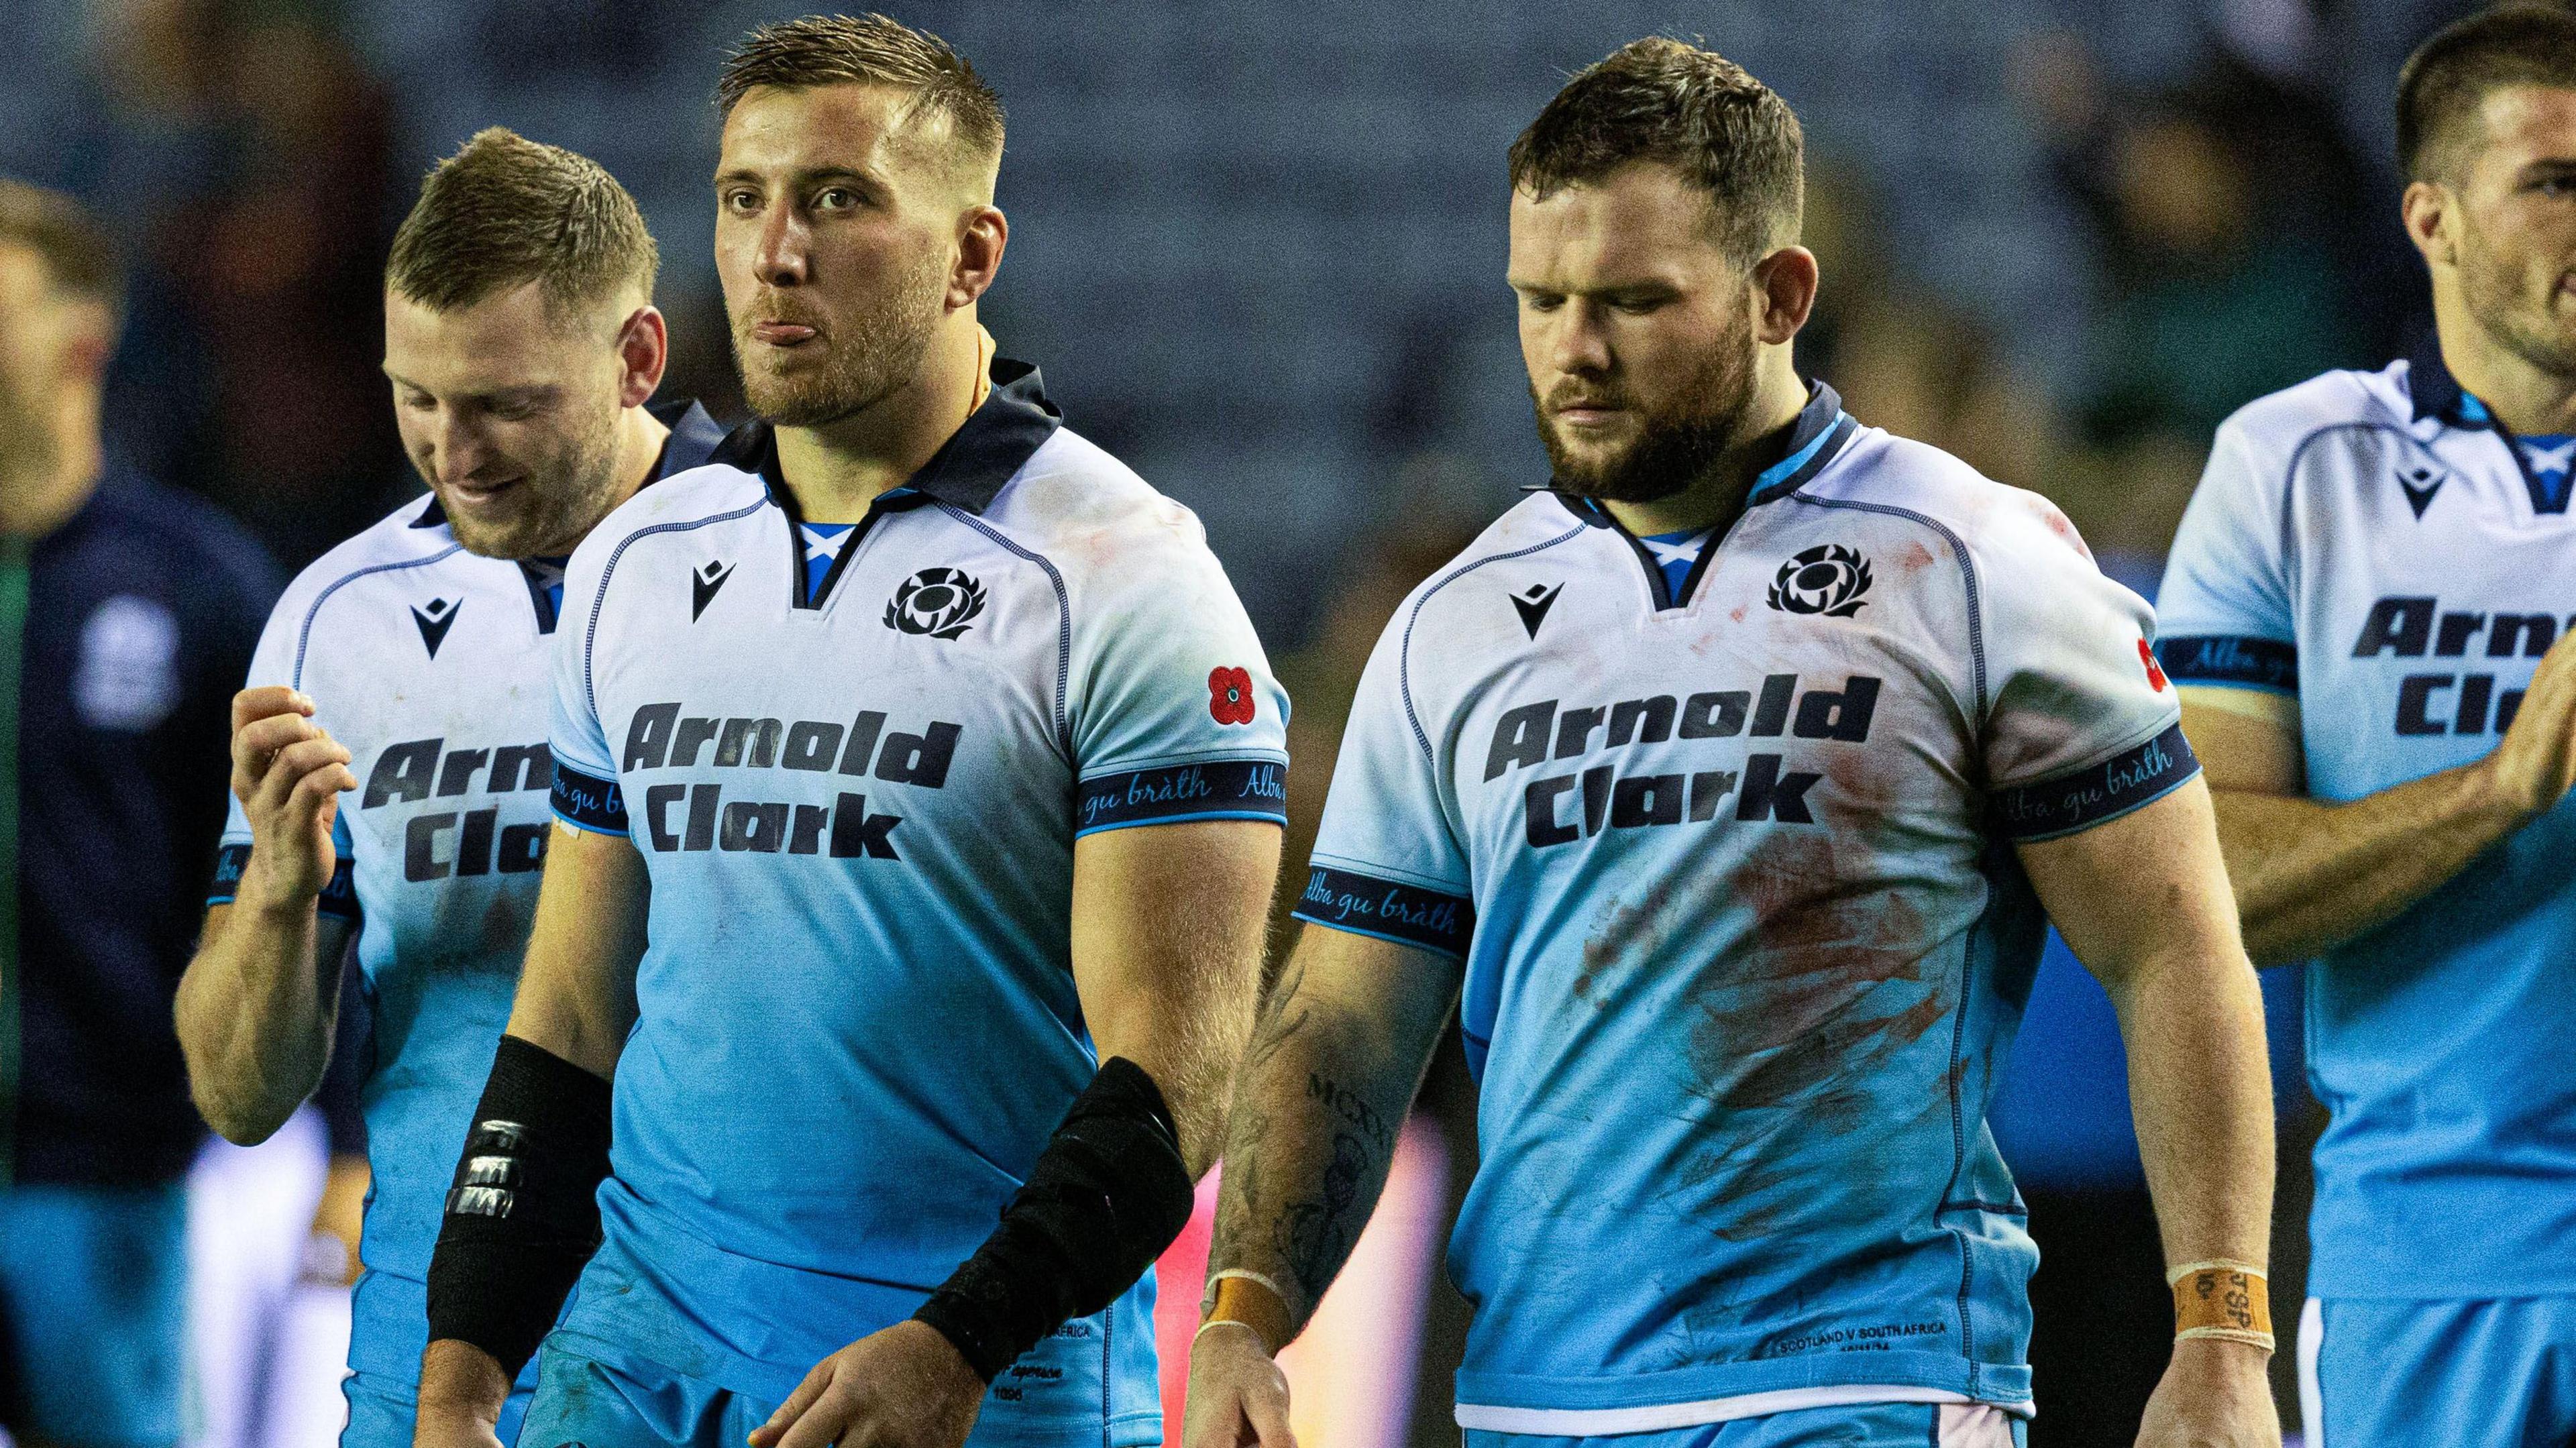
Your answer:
<point x="577" y="1000"/>
<point x="1167" y="930"/>
<point x="256" y="1007"/>
<point x="2143" y="901"/>
<point x="2310" y="875"/>
<point x="1335" y="1061"/>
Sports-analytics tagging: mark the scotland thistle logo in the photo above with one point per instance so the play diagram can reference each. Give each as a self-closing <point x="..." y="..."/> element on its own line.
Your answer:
<point x="1827" y="579"/>
<point x="940" y="602"/>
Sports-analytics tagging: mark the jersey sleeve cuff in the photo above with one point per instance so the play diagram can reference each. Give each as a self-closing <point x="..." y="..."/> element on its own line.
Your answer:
<point x="587" y="802"/>
<point x="2078" y="800"/>
<point x="2231" y="661"/>
<point x="1207" y="789"/>
<point x="338" y="900"/>
<point x="1407" y="914"/>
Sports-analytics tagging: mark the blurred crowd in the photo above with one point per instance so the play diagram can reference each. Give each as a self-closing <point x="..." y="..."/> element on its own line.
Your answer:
<point x="2235" y="220"/>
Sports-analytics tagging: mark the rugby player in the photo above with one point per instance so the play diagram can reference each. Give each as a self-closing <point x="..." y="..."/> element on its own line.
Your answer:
<point x="406" y="668"/>
<point x="1729" y="780"/>
<point x="2367" y="613"/>
<point x="856" y="745"/>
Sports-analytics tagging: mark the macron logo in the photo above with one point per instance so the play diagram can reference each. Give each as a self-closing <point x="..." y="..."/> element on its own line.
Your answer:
<point x="703" y="584"/>
<point x="435" y="619"/>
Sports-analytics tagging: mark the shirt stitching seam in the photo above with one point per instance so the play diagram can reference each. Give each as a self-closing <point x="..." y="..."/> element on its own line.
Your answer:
<point x="1404" y="651"/>
<point x="1064" y="617"/>
<point x="304" y="634"/>
<point x="608" y="570"/>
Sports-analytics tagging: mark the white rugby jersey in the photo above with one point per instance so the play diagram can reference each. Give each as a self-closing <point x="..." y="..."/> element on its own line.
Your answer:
<point x="858" y="808"/>
<point x="2372" y="559"/>
<point x="1731" y="872"/>
<point x="430" y="664"/>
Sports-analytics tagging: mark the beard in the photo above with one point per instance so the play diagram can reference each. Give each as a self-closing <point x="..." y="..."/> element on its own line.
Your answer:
<point x="865" y="360"/>
<point x="28" y="446"/>
<point x="565" y="492"/>
<point x="2495" y="299"/>
<point x="1677" y="442"/>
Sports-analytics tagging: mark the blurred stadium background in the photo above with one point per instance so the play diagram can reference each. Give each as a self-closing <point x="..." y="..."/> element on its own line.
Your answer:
<point x="1257" y="248"/>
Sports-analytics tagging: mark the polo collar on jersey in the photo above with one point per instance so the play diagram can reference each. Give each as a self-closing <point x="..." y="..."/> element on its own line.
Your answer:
<point x="695" y="436"/>
<point x="2439" y="395"/>
<point x="969" y="469"/>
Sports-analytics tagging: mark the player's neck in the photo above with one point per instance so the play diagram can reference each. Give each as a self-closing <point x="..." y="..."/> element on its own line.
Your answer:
<point x="42" y="493"/>
<point x="1717" y="497"/>
<point x="838" y="469"/>
<point x="2529" y="401"/>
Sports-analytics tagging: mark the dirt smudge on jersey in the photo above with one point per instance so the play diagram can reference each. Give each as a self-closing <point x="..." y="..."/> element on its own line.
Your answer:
<point x="1624" y="932"/>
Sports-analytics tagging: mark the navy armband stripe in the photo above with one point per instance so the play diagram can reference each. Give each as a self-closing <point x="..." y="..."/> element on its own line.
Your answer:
<point x="588" y="802"/>
<point x="2080" y="799"/>
<point x="339" y="898"/>
<point x="2230" y="660"/>
<point x="1239" y="789"/>
<point x="1388" y="909"/>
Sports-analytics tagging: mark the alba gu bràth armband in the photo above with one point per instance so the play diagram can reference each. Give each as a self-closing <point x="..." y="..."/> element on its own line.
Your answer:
<point x="2231" y="1301"/>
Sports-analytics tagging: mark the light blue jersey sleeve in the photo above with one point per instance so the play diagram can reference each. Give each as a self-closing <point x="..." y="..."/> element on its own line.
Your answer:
<point x="2226" y="596"/>
<point x="585" y="794"/>
<point x="275" y="662"/>
<point x="1172" y="710"/>
<point x="1389" y="860"/>
<point x="2082" y="725"/>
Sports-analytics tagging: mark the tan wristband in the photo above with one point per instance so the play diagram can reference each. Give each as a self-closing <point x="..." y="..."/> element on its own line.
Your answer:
<point x="1254" y="1304"/>
<point x="2230" y="1301"/>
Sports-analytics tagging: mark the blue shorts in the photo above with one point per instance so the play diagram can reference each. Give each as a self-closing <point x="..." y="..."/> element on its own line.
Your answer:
<point x="94" y="1313"/>
<point x="1869" y="1425"/>
<point x="2499" y="1373"/>
<point x="381" y="1411"/>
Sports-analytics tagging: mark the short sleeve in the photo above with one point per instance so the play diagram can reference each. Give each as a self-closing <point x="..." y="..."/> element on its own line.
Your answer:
<point x="273" y="661"/>
<point x="1387" y="859"/>
<point x="585" y="794"/>
<point x="1173" y="712"/>
<point x="2225" y="603"/>
<point x="2083" y="725"/>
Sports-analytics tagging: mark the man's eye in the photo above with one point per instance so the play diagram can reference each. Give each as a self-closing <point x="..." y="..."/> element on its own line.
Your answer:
<point x="1639" y="306"/>
<point x="1541" y="302"/>
<point x="2558" y="187"/>
<point x="835" y="198"/>
<point x="420" y="402"/>
<point x="741" y="201"/>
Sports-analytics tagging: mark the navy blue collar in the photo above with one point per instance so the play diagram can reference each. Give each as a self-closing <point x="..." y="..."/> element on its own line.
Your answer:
<point x="695" y="436"/>
<point x="969" y="469"/>
<point x="2435" y="391"/>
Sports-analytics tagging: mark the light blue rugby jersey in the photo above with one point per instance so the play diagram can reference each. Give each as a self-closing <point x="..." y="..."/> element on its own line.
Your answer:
<point x="1731" y="871"/>
<point x="2370" y="546"/>
<point x="858" y="807"/>
<point x="431" y="665"/>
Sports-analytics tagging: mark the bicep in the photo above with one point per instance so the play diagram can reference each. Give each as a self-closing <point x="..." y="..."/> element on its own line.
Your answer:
<point x="2144" y="886"/>
<point x="577" y="989"/>
<point x="2247" y="740"/>
<point x="1167" y="919"/>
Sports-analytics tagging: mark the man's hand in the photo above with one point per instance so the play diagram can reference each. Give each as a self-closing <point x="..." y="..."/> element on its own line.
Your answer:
<point x="2215" y="1394"/>
<point x="462" y="1389"/>
<point x="288" y="773"/>
<point x="2535" y="763"/>
<point x="1238" y="1396"/>
<point x="904" y="1387"/>
<point x="341" y="1215"/>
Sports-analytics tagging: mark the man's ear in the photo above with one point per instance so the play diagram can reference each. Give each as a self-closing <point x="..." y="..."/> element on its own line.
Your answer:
<point x="2427" y="209"/>
<point x="982" y="233"/>
<point x="643" y="350"/>
<point x="1785" y="292"/>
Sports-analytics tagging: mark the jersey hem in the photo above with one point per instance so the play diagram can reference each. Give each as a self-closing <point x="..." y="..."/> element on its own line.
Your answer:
<point x="1708" y="1387"/>
<point x="1263" y="816"/>
<point x="1591" y="1422"/>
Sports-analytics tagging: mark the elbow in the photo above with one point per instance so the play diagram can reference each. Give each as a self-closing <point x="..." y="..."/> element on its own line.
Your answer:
<point x="241" y="1122"/>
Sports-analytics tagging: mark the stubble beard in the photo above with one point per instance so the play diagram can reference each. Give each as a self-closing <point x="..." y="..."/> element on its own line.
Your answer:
<point x="869" y="359"/>
<point x="1675" y="446"/>
<point x="2495" y="303"/>
<point x="565" y="495"/>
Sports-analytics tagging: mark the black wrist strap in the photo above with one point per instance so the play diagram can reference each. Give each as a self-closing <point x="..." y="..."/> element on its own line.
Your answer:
<point x="523" y="1210"/>
<point x="1107" y="1195"/>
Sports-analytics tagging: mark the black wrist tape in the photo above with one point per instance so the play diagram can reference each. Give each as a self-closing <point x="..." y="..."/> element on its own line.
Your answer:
<point x="523" y="1211"/>
<point x="1106" y="1197"/>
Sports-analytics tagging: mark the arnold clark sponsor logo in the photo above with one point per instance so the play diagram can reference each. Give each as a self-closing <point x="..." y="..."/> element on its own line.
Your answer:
<point x="695" y="817"/>
<point x="448" y="840"/>
<point x="1561" y="807"/>
<point x="1183" y="789"/>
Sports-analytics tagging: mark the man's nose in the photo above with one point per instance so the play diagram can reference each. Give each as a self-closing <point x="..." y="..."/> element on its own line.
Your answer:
<point x="781" y="258"/>
<point x="1581" y="344"/>
<point x="456" y="450"/>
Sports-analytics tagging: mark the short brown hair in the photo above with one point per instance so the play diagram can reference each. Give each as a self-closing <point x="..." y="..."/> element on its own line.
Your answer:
<point x="505" y="211"/>
<point x="2448" y="77"/>
<point x="870" y="49"/>
<point x="1694" y="110"/>
<point x="63" y="234"/>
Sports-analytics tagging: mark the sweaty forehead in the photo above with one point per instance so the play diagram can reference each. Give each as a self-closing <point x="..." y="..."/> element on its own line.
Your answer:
<point x="1641" y="222"/>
